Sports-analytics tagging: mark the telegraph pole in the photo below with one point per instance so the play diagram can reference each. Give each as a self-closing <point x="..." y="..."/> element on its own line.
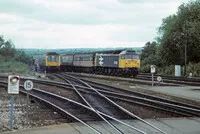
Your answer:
<point x="185" y="55"/>
<point x="186" y="41"/>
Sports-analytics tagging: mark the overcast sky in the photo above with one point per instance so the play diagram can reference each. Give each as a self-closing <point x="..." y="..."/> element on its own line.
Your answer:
<point x="83" y="23"/>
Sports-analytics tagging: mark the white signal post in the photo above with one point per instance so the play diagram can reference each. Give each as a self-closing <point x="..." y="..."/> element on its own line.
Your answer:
<point x="153" y="70"/>
<point x="28" y="85"/>
<point x="13" y="88"/>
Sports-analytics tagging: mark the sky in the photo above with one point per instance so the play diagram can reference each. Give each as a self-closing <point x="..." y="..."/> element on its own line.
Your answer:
<point x="47" y="24"/>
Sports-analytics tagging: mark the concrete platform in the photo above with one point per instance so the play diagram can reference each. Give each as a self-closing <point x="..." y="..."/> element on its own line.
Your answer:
<point x="170" y="126"/>
<point x="189" y="92"/>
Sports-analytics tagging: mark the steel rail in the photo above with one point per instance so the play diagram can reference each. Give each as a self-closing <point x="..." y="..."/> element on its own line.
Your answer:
<point x="82" y="105"/>
<point x="171" y="80"/>
<point x="172" y="106"/>
<point x="68" y="113"/>
<point x="123" y="109"/>
<point x="149" y="100"/>
<point x="146" y="96"/>
<point x="65" y="84"/>
<point x="79" y="104"/>
<point x="89" y="104"/>
<point x="55" y="106"/>
<point x="120" y="97"/>
<point x="113" y="93"/>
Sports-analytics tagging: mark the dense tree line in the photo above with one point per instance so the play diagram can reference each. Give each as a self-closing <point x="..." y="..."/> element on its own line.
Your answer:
<point x="176" y="31"/>
<point x="8" y="52"/>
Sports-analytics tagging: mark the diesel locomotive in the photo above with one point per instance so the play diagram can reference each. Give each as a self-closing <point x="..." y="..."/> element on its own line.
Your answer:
<point x="120" y="62"/>
<point x="114" y="62"/>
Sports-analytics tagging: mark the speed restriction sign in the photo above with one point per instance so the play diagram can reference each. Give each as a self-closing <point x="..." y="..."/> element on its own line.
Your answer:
<point x="159" y="78"/>
<point x="28" y="85"/>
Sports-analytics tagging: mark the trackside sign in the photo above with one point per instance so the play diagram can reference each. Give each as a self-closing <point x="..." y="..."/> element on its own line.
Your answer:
<point x="13" y="84"/>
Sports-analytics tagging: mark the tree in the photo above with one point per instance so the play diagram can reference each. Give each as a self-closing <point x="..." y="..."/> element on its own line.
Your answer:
<point x="150" y="56"/>
<point x="6" y="48"/>
<point x="8" y="51"/>
<point x="179" y="30"/>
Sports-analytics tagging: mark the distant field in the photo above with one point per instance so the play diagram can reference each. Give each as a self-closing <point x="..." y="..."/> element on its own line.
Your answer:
<point x="74" y="50"/>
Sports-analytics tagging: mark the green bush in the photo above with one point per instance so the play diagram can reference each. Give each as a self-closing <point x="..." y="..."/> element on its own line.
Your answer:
<point x="168" y="70"/>
<point x="13" y="67"/>
<point x="194" y="69"/>
<point x="145" y="68"/>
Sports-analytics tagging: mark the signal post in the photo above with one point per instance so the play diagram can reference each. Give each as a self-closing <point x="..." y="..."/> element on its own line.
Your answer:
<point x="153" y="70"/>
<point x="13" y="89"/>
<point x="28" y="86"/>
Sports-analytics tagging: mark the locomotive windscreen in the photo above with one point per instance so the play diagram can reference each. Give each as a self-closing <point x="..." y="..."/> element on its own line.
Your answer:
<point x="52" y="58"/>
<point x="130" y="56"/>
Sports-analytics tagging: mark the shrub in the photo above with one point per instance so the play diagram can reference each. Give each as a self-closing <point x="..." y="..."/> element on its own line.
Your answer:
<point x="168" y="70"/>
<point x="13" y="67"/>
<point x="194" y="69"/>
<point x="145" y="68"/>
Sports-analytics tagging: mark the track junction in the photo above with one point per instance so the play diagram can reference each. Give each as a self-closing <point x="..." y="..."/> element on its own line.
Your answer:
<point x="97" y="102"/>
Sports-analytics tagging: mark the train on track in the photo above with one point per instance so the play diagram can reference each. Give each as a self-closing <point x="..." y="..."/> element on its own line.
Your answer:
<point x="114" y="62"/>
<point x="47" y="62"/>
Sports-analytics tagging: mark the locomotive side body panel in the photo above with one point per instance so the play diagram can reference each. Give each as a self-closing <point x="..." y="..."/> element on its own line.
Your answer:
<point x="107" y="60"/>
<point x="66" y="62"/>
<point x="83" y="60"/>
<point x="66" y="59"/>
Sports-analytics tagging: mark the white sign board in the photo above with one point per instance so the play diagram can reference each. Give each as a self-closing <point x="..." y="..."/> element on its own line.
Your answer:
<point x="13" y="84"/>
<point x="153" y="69"/>
<point x="28" y="85"/>
<point x="177" y="70"/>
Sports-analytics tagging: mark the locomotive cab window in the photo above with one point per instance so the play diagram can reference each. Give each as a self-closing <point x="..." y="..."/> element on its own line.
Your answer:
<point x="52" y="58"/>
<point x="130" y="56"/>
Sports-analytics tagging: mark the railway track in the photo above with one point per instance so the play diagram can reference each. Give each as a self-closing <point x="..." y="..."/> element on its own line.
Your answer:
<point x="147" y="79"/>
<point x="75" y="110"/>
<point x="130" y="96"/>
<point x="89" y="89"/>
<point x="105" y="99"/>
<point x="64" y="106"/>
<point x="147" y="100"/>
<point x="171" y="79"/>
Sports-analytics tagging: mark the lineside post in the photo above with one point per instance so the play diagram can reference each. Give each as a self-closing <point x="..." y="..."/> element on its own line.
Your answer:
<point x="13" y="89"/>
<point x="153" y="70"/>
<point x="152" y="79"/>
<point x="11" y="111"/>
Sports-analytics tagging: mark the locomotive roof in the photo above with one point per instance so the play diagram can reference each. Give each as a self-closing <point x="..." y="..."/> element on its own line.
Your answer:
<point x="52" y="53"/>
<point x="116" y="51"/>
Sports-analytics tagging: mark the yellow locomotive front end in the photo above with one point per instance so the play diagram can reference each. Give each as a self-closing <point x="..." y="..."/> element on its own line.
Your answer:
<point x="52" y="62"/>
<point x="129" y="61"/>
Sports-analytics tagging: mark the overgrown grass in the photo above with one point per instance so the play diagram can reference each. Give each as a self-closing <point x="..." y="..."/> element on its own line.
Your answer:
<point x="12" y="66"/>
